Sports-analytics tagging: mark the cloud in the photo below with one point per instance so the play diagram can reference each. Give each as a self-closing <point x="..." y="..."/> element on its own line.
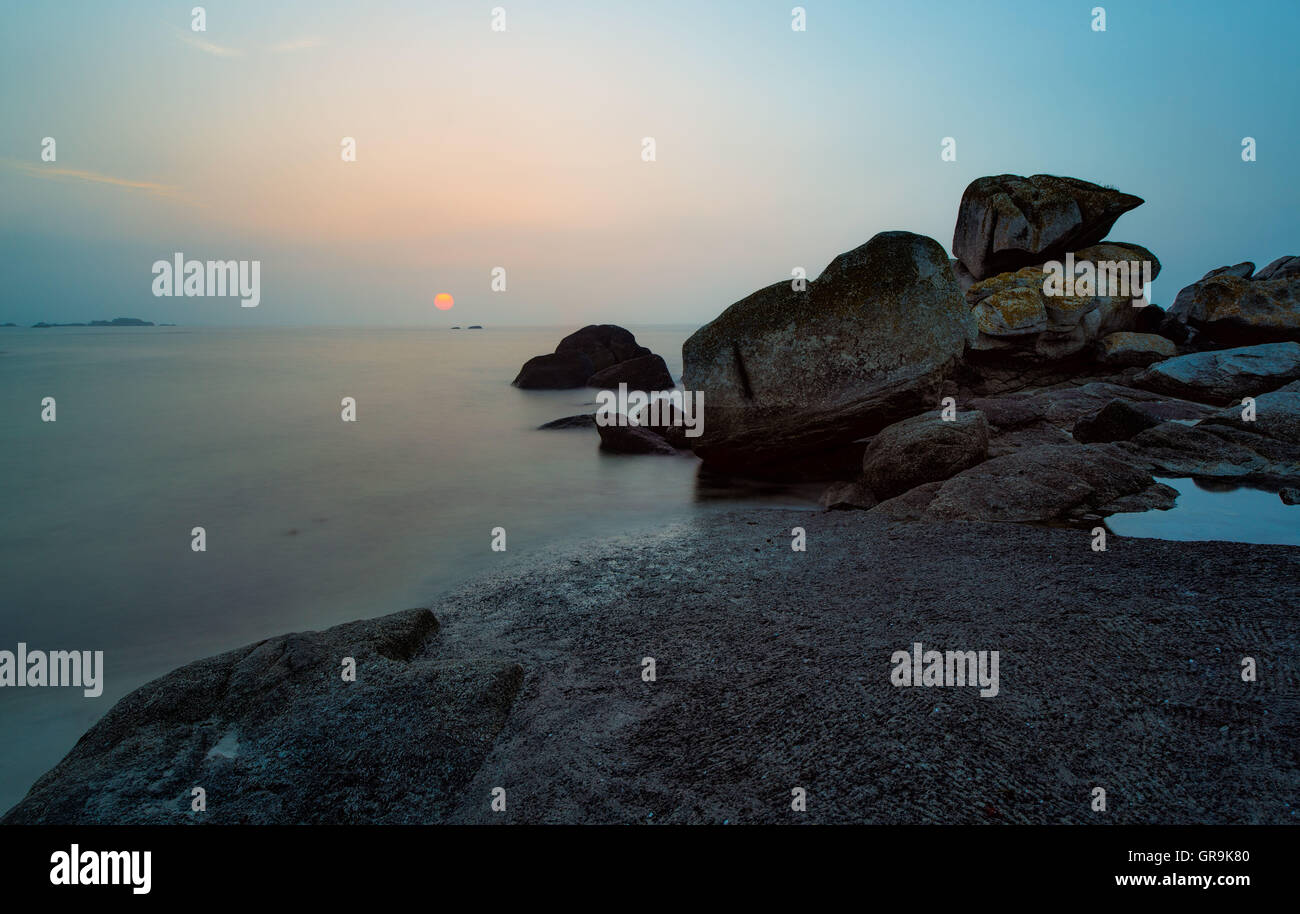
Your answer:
<point x="297" y="44"/>
<point x="208" y="47"/>
<point x="75" y="174"/>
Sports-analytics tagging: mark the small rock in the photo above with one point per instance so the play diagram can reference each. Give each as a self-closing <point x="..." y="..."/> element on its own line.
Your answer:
<point x="582" y="420"/>
<point x="625" y="438"/>
<point x="844" y="496"/>
<point x="925" y="448"/>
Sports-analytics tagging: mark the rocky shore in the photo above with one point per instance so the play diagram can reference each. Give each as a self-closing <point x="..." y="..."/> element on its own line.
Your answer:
<point x="971" y="423"/>
<point x="1119" y="670"/>
<point x="1031" y="378"/>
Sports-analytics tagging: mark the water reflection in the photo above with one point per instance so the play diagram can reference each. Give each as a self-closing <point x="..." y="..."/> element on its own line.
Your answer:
<point x="1216" y="510"/>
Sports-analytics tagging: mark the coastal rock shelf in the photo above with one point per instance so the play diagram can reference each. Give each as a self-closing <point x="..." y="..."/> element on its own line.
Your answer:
<point x="773" y="672"/>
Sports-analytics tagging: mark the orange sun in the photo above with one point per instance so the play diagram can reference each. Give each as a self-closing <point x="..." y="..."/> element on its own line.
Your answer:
<point x="443" y="302"/>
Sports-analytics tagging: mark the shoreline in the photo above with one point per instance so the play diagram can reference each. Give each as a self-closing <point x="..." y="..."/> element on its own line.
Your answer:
<point x="1118" y="669"/>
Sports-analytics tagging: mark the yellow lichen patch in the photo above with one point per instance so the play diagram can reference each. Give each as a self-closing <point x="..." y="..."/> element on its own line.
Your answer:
<point x="1072" y="304"/>
<point x="1025" y="277"/>
<point x="1014" y="309"/>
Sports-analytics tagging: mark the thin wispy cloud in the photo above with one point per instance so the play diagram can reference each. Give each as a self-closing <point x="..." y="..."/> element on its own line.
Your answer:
<point x="208" y="47"/>
<point x="51" y="172"/>
<point x="297" y="44"/>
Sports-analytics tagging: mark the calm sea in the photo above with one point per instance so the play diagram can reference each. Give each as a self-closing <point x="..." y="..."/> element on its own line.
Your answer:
<point x="310" y="521"/>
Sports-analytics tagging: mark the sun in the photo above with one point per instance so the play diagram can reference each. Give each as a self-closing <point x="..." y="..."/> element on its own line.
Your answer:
<point x="443" y="301"/>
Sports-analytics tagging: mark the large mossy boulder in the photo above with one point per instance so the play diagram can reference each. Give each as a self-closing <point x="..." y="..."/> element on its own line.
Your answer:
<point x="791" y="373"/>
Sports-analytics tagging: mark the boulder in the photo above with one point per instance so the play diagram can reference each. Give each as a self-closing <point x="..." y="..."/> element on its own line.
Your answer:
<point x="647" y="373"/>
<point x="1127" y="349"/>
<point x="788" y="374"/>
<point x="604" y="344"/>
<point x="1290" y="495"/>
<point x="1047" y="483"/>
<point x="1243" y="270"/>
<point x="1285" y="267"/>
<point x="1224" y="375"/>
<point x="1216" y="452"/>
<point x="275" y="735"/>
<point x="625" y="438"/>
<point x="556" y="371"/>
<point x="1118" y="420"/>
<point x="594" y="348"/>
<point x="847" y="496"/>
<point x="1229" y="306"/>
<point x="925" y="448"/>
<point x="1024" y="335"/>
<point x="1226" y="445"/>
<point x="1006" y="222"/>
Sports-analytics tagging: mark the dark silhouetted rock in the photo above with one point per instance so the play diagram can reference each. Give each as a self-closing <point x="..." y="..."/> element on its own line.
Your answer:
<point x="1290" y="495"/>
<point x="582" y="420"/>
<point x="788" y="375"/>
<point x="556" y="371"/>
<point x="923" y="449"/>
<point x="1006" y="222"/>
<point x="632" y="439"/>
<point x="646" y="372"/>
<point x="274" y="734"/>
<point x="671" y="424"/>
<point x="604" y="344"/>
<point x="1118" y="420"/>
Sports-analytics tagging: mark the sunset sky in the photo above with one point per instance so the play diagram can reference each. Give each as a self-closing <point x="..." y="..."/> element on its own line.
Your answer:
<point x="522" y="149"/>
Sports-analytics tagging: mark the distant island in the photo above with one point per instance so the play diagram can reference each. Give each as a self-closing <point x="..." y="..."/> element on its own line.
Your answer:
<point x="115" y="322"/>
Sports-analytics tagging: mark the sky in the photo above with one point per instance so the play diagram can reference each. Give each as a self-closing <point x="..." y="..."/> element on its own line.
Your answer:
<point x="523" y="148"/>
